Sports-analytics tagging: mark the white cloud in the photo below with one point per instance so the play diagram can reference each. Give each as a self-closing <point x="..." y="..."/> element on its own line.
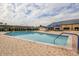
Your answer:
<point x="36" y="14"/>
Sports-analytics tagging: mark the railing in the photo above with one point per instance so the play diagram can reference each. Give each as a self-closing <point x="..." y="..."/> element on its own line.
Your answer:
<point x="57" y="37"/>
<point x="70" y="34"/>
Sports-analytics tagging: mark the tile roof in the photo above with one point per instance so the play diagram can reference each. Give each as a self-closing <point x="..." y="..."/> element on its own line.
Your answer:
<point x="75" y="21"/>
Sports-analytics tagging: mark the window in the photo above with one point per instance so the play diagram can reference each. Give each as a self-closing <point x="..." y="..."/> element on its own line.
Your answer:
<point x="50" y="28"/>
<point x="57" y="28"/>
<point x="66" y="28"/>
<point x="77" y="28"/>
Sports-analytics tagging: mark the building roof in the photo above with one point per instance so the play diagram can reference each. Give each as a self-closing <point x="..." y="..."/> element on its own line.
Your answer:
<point x="74" y="21"/>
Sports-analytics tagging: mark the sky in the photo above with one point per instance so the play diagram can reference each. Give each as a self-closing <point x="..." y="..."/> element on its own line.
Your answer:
<point x="35" y="14"/>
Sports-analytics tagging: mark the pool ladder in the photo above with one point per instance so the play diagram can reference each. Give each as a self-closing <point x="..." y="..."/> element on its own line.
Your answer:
<point x="77" y="49"/>
<point x="57" y="37"/>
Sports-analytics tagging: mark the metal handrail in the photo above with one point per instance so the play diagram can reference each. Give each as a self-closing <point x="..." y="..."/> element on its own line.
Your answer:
<point x="57" y="37"/>
<point x="64" y="33"/>
<point x="70" y="34"/>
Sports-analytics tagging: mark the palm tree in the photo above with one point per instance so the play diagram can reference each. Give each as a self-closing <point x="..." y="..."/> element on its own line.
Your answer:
<point x="5" y="26"/>
<point x="1" y="23"/>
<point x="5" y="23"/>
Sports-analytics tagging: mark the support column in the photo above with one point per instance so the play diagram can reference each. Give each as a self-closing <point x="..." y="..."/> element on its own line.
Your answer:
<point x="78" y="45"/>
<point x="74" y="42"/>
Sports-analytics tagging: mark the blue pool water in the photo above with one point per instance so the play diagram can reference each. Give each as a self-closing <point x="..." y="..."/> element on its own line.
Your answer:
<point x="41" y="37"/>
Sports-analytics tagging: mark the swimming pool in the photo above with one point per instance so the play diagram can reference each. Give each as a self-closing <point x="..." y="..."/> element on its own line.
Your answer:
<point x="41" y="37"/>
